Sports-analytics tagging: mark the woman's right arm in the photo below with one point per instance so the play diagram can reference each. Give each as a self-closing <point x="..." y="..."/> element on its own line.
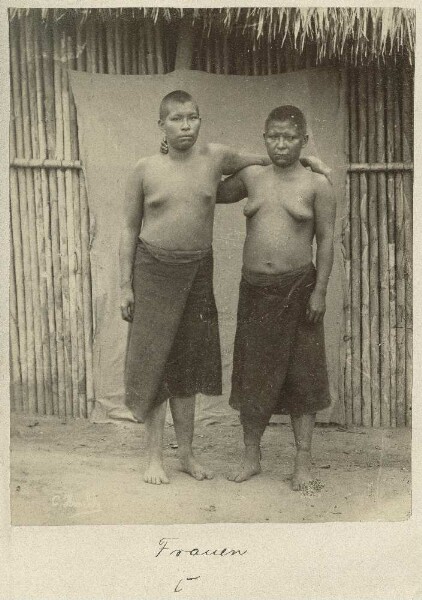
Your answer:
<point x="132" y="219"/>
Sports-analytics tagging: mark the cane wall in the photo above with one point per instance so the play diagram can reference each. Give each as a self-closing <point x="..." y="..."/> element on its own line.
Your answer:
<point x="51" y="315"/>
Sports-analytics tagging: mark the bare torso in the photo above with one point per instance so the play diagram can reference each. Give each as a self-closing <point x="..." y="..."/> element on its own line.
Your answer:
<point x="280" y="219"/>
<point x="179" y="199"/>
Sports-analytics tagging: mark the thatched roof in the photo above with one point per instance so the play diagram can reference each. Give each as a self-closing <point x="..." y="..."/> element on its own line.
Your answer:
<point x="351" y="34"/>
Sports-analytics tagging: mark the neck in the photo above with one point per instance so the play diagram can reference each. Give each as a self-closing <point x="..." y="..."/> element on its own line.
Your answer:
<point x="287" y="170"/>
<point x="176" y="154"/>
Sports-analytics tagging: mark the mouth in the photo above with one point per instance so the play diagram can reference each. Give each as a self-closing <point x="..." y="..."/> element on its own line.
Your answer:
<point x="186" y="137"/>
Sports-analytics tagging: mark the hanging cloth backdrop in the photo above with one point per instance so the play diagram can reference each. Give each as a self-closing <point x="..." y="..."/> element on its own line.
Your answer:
<point x="117" y="119"/>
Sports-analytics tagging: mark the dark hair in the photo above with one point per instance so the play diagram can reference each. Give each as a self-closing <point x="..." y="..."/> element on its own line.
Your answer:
<point x="287" y="112"/>
<point x="176" y="96"/>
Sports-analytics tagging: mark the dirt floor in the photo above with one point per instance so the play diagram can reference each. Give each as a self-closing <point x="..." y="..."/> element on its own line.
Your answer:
<point x="75" y="472"/>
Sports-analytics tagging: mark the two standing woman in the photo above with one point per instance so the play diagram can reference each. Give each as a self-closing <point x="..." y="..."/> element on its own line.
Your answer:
<point x="167" y="292"/>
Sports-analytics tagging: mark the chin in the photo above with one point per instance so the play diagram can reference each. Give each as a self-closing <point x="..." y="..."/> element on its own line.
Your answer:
<point x="186" y="145"/>
<point x="282" y="163"/>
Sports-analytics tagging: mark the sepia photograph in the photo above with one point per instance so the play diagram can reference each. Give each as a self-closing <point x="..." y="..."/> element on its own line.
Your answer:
<point x="211" y="234"/>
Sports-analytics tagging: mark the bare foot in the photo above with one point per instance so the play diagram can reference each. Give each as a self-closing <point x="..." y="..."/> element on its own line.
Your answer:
<point x="192" y="467"/>
<point x="302" y="473"/>
<point x="245" y="472"/>
<point x="155" y="474"/>
<point x="250" y="465"/>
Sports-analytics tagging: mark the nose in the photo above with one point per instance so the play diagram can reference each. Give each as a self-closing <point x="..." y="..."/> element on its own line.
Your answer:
<point x="281" y="143"/>
<point x="185" y="125"/>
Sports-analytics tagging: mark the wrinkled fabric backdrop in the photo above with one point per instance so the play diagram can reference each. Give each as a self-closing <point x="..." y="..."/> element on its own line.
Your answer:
<point x="117" y="120"/>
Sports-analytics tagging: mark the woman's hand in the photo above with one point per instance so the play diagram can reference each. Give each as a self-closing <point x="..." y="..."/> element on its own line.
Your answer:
<point x="316" y="307"/>
<point x="317" y="166"/>
<point x="127" y="303"/>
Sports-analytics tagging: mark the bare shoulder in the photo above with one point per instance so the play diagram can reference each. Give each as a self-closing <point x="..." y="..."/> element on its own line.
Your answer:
<point x="140" y="165"/>
<point x="254" y="171"/>
<point x="146" y="163"/>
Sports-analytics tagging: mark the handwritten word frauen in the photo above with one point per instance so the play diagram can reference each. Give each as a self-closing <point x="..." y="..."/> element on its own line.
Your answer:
<point x="164" y="547"/>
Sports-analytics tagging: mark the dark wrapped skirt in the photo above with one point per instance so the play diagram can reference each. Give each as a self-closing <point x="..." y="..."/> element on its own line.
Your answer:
<point x="174" y="344"/>
<point x="279" y="364"/>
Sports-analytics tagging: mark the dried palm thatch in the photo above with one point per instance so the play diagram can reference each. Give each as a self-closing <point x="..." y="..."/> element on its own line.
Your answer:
<point x="352" y="34"/>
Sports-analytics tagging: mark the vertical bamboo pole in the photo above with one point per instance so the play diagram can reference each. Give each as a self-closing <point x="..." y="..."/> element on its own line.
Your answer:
<point x="298" y="59"/>
<point x="110" y="48"/>
<point x="158" y="31"/>
<point x="84" y="258"/>
<point x="14" y="357"/>
<point x="219" y="52"/>
<point x="391" y="205"/>
<point x="256" y="60"/>
<point x="126" y="49"/>
<point x="278" y="56"/>
<point x="364" y="229"/>
<point x="101" y="47"/>
<point x="348" y="397"/>
<point x="79" y="61"/>
<point x="37" y="402"/>
<point x="91" y="46"/>
<point x="118" y="44"/>
<point x="374" y="317"/>
<point x="270" y="68"/>
<point x="62" y="221"/>
<point x="239" y="53"/>
<point x="87" y="295"/>
<point x="18" y="356"/>
<point x="142" y="64"/>
<point x="288" y="57"/>
<point x="400" y="273"/>
<point x="134" y="45"/>
<point x="49" y="99"/>
<point x="208" y="56"/>
<point x="52" y="398"/>
<point x="81" y="44"/>
<point x="356" y="273"/>
<point x="385" y="374"/>
<point x="346" y="251"/>
<point x="246" y="56"/>
<point x="169" y="62"/>
<point x="74" y="153"/>
<point x="226" y="54"/>
<point x="70" y="225"/>
<point x="407" y="120"/>
<point x="48" y="87"/>
<point x="88" y="48"/>
<point x="151" y="59"/>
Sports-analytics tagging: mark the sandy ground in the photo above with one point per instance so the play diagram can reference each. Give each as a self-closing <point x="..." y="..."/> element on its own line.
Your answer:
<point x="75" y="472"/>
